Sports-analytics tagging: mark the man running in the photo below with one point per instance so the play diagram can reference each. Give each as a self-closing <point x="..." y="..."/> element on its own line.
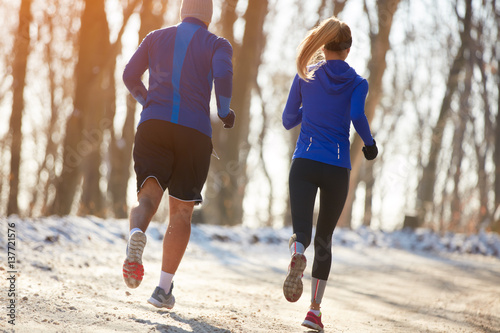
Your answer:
<point x="173" y="141"/>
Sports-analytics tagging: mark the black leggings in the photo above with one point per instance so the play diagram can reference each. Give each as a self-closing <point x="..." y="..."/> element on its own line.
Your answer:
<point x="306" y="176"/>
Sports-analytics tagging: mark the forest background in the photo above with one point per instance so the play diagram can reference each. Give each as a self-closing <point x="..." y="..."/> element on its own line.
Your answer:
<point x="433" y="107"/>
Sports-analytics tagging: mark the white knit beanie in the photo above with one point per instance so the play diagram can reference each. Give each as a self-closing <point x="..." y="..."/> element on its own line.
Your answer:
<point x="200" y="9"/>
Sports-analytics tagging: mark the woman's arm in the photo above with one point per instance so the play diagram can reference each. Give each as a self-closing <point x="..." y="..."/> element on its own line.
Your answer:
<point x="292" y="115"/>
<point x="358" y="116"/>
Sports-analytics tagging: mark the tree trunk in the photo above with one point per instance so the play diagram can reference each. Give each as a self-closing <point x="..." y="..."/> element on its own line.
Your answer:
<point x="68" y="180"/>
<point x="228" y="19"/>
<point x="483" y="146"/>
<point x="458" y="152"/>
<point x="369" y="181"/>
<point x="228" y="179"/>
<point x="496" y="223"/>
<point x="379" y="47"/>
<point x="93" y="56"/>
<point x="425" y="191"/>
<point x="338" y="6"/>
<point x="21" y="52"/>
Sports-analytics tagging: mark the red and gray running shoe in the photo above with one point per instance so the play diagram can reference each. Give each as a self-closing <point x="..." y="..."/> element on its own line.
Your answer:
<point x="133" y="270"/>
<point x="292" y="287"/>
<point x="313" y="322"/>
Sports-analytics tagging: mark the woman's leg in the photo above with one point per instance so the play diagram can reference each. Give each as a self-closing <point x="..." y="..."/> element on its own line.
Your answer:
<point x="302" y="196"/>
<point x="333" y="193"/>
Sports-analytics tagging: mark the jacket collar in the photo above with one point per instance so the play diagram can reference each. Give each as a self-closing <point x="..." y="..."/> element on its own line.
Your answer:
<point x="196" y="21"/>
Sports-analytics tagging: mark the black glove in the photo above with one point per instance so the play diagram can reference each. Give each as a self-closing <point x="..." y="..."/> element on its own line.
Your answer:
<point x="370" y="151"/>
<point x="229" y="119"/>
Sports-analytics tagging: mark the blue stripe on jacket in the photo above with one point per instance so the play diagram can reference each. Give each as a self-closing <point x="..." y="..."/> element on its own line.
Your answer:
<point x="183" y="37"/>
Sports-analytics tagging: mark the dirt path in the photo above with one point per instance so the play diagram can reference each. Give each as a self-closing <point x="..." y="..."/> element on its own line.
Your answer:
<point x="76" y="286"/>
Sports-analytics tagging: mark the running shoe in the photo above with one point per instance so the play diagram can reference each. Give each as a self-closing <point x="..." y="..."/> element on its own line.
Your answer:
<point x="160" y="299"/>
<point x="292" y="287"/>
<point x="133" y="270"/>
<point x="313" y="322"/>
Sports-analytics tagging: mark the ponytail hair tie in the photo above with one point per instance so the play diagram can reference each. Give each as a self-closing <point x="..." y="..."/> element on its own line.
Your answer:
<point x="335" y="46"/>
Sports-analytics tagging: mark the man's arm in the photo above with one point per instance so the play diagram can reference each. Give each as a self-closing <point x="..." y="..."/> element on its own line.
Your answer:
<point x="222" y="68"/>
<point x="133" y="71"/>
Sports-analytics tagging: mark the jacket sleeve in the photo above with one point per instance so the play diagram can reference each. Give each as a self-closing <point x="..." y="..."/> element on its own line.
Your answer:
<point x="133" y="71"/>
<point x="292" y="115"/>
<point x="222" y="68"/>
<point x="358" y="116"/>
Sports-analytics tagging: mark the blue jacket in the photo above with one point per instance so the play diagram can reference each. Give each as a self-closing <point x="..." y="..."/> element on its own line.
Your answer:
<point x="325" y="106"/>
<point x="183" y="61"/>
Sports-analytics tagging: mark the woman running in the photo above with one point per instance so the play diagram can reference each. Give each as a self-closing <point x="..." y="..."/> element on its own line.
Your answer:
<point x="324" y="98"/>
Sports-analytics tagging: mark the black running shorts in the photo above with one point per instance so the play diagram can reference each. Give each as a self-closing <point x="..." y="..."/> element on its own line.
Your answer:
<point x="178" y="157"/>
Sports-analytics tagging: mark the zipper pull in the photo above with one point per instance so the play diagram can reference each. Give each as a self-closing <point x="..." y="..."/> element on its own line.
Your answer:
<point x="214" y="154"/>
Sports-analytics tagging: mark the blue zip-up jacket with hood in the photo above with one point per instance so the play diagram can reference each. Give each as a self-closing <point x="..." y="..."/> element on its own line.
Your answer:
<point x="183" y="61"/>
<point x="326" y="105"/>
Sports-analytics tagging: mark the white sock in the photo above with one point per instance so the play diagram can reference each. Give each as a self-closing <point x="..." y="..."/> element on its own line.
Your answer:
<point x="165" y="281"/>
<point x="134" y="230"/>
<point x="316" y="312"/>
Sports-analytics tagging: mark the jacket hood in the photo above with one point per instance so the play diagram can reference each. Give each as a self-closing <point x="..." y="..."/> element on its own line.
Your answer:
<point x="336" y="76"/>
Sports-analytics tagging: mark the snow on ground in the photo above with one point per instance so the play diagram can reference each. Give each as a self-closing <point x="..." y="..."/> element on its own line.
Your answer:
<point x="68" y="279"/>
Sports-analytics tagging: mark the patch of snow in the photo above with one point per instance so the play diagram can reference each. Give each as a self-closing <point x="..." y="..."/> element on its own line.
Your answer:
<point x="77" y="230"/>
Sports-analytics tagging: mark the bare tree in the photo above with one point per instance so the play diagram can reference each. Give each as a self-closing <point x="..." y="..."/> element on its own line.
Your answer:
<point x="227" y="183"/>
<point x="482" y="143"/>
<point x="21" y="52"/>
<point x="425" y="192"/>
<point x="93" y="112"/>
<point x="84" y="134"/>
<point x="496" y="224"/>
<point x="379" y="38"/>
<point x="391" y="112"/>
<point x="455" y="169"/>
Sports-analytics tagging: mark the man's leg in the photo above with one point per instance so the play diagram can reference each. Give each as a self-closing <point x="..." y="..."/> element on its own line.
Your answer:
<point x="174" y="245"/>
<point x="191" y="151"/>
<point x="177" y="234"/>
<point x="148" y="200"/>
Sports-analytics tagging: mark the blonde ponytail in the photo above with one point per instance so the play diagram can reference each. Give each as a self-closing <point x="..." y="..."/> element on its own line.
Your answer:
<point x="331" y="30"/>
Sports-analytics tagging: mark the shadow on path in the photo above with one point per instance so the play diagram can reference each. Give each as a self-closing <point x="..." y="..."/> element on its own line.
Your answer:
<point x="195" y="324"/>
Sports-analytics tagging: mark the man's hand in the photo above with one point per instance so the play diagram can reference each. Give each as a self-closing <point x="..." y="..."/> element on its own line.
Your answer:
<point x="229" y="119"/>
